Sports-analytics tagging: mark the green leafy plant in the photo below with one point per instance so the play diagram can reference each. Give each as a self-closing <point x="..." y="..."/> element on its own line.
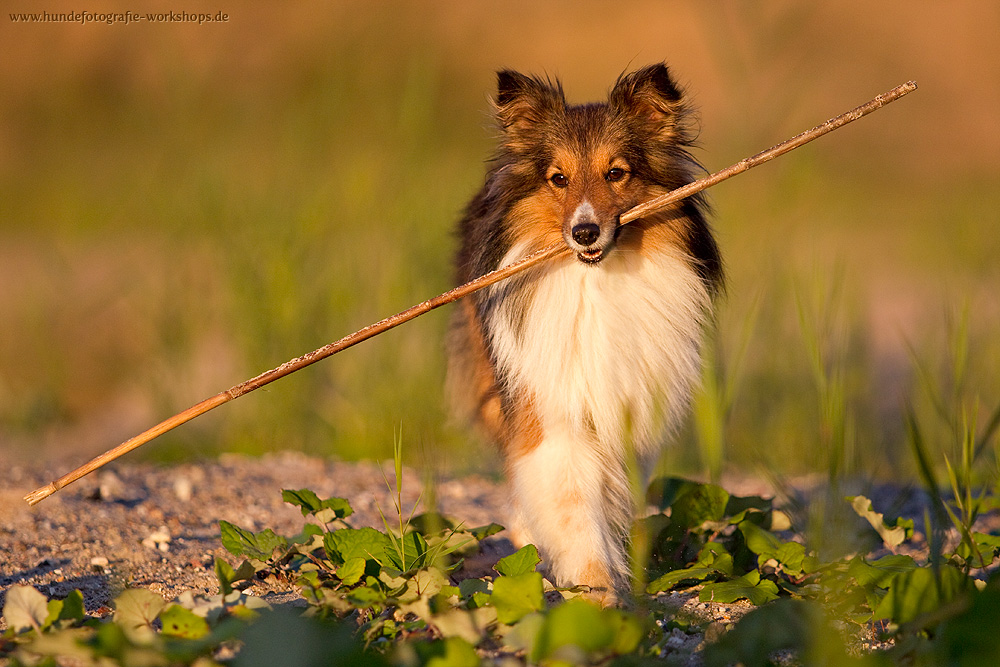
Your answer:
<point x="398" y="596"/>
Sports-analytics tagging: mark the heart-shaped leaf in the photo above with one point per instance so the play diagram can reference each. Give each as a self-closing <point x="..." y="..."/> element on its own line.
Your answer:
<point x="520" y="562"/>
<point x="25" y="608"/>
<point x="516" y="596"/>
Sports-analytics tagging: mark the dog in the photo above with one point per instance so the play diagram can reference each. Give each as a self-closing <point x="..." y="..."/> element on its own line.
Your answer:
<point x="583" y="366"/>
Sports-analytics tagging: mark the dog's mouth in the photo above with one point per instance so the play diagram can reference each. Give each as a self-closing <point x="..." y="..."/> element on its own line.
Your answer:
<point x="592" y="256"/>
<point x="589" y="242"/>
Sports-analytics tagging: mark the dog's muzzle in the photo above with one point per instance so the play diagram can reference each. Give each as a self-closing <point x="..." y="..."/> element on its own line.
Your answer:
<point x="586" y="235"/>
<point x="587" y="239"/>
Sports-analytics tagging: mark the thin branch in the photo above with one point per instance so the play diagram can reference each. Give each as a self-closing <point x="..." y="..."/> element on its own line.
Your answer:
<point x="491" y="278"/>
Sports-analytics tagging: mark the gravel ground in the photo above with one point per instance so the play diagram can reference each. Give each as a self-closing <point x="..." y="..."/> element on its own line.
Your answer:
<point x="154" y="526"/>
<point x="157" y="526"/>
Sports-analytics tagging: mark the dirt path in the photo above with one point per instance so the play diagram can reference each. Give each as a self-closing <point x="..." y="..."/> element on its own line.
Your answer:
<point x="157" y="526"/>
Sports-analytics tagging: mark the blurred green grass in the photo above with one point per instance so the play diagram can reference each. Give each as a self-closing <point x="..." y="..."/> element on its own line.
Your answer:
<point x="186" y="206"/>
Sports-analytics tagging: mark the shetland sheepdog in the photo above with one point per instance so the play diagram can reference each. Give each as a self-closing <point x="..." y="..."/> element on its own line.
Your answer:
<point x="581" y="367"/>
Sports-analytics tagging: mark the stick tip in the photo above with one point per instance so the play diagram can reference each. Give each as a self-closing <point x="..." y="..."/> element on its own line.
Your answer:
<point x="40" y="494"/>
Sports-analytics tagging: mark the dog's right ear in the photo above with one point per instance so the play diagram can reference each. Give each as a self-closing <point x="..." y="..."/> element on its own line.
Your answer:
<point x="523" y="102"/>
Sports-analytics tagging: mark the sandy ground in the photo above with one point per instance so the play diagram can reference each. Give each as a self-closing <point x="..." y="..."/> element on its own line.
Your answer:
<point x="155" y="526"/>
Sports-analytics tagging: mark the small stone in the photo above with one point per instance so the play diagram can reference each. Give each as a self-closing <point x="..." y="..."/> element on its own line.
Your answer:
<point x="109" y="486"/>
<point x="183" y="488"/>
<point x="676" y="639"/>
<point x="99" y="563"/>
<point x="158" y="539"/>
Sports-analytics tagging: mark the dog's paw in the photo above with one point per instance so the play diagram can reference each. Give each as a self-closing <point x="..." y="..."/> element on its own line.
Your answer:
<point x="604" y="597"/>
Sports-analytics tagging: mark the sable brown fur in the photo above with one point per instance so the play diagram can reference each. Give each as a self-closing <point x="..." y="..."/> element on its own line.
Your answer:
<point x="567" y="173"/>
<point x="534" y="117"/>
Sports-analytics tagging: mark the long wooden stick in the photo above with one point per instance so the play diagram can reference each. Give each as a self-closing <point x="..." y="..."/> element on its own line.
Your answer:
<point x="542" y="255"/>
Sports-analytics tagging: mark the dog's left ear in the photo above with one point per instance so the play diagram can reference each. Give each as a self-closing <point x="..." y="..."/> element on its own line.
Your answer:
<point x="651" y="95"/>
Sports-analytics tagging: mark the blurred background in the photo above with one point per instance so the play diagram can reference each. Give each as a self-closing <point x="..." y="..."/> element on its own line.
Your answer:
<point x="184" y="206"/>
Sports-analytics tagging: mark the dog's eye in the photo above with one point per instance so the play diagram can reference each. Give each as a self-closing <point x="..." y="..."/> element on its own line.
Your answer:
<point x="614" y="174"/>
<point x="559" y="180"/>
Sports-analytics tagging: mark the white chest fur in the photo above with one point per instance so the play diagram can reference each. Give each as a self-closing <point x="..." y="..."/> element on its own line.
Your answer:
<point x="607" y="351"/>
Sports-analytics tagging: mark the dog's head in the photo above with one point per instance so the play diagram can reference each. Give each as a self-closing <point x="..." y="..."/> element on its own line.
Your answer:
<point x="579" y="167"/>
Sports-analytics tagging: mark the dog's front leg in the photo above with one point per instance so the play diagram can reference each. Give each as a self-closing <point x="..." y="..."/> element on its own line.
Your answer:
<point x="575" y="506"/>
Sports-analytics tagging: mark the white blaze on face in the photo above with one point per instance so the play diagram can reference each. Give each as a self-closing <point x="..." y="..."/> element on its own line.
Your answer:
<point x="582" y="213"/>
<point x="584" y="234"/>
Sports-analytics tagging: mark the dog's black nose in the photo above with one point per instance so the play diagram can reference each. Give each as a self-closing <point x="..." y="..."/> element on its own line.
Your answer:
<point x="586" y="233"/>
